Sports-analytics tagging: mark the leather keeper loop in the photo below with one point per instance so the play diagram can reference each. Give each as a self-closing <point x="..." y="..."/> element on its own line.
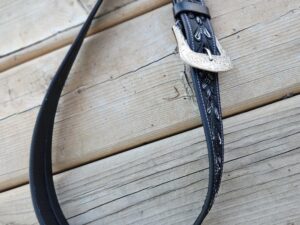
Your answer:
<point x="190" y="7"/>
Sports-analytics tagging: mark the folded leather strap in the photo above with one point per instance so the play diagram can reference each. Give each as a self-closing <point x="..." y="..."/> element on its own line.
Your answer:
<point x="43" y="194"/>
<point x="194" y="21"/>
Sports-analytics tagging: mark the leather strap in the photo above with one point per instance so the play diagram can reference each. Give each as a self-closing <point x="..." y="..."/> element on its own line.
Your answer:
<point x="43" y="194"/>
<point x="199" y="35"/>
<point x="190" y="7"/>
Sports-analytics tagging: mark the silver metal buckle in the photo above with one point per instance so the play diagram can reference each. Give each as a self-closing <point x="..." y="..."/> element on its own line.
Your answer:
<point x="208" y="62"/>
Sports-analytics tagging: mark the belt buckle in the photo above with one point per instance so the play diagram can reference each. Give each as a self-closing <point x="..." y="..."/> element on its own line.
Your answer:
<point x="208" y="62"/>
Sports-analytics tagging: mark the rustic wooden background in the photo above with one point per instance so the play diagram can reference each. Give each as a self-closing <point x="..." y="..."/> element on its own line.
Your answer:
<point x="128" y="144"/>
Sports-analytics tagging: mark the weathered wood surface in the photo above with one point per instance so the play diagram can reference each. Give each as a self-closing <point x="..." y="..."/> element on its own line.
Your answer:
<point x="139" y="93"/>
<point x="26" y="22"/>
<point x="165" y="182"/>
<point x="65" y="21"/>
<point x="32" y="28"/>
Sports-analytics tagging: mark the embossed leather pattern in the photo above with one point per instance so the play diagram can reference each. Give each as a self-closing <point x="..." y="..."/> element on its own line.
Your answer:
<point x="199" y="35"/>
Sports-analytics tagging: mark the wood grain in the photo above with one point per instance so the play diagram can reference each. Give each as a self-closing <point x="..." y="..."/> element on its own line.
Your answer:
<point x="29" y="43"/>
<point x="44" y="26"/>
<point x="26" y="22"/>
<point x="138" y="96"/>
<point x="165" y="182"/>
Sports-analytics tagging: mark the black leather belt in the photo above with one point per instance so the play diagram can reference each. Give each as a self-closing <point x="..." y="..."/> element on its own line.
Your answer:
<point x="198" y="47"/>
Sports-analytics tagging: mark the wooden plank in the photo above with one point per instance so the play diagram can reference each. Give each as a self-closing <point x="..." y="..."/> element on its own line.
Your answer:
<point x="142" y="95"/>
<point x="26" y="22"/>
<point x="34" y="44"/>
<point x="164" y="182"/>
<point x="63" y="21"/>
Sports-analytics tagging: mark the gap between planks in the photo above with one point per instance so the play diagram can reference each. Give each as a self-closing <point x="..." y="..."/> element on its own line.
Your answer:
<point x="105" y="19"/>
<point x="165" y="182"/>
<point x="112" y="13"/>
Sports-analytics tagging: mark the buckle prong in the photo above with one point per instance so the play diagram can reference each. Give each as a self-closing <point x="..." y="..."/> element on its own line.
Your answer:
<point x="208" y="62"/>
<point x="209" y="54"/>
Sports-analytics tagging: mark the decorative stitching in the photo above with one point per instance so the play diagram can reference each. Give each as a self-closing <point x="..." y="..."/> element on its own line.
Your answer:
<point x="208" y="97"/>
<point x="190" y="28"/>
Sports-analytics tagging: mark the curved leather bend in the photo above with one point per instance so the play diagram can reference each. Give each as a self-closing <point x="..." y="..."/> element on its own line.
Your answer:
<point x="199" y="35"/>
<point x="43" y="194"/>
